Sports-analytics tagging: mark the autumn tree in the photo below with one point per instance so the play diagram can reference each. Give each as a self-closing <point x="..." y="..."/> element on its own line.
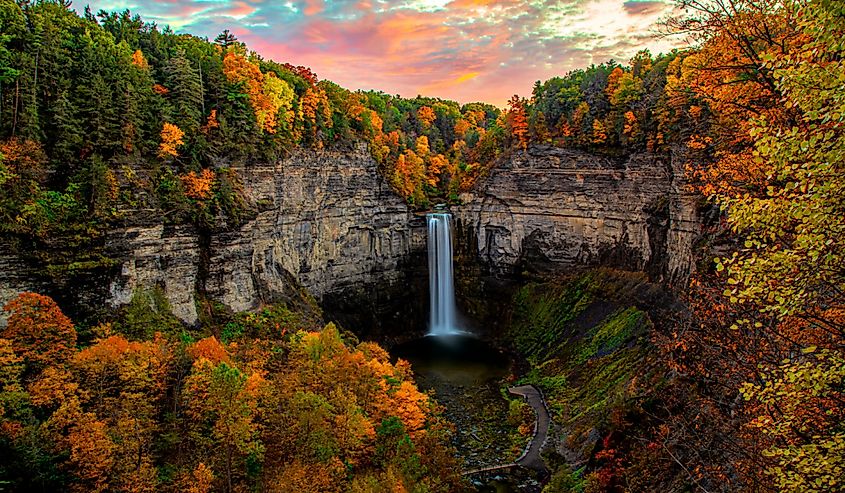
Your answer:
<point x="791" y="266"/>
<point x="517" y="120"/>
<point x="771" y="328"/>
<point x="171" y="138"/>
<point x="222" y="402"/>
<point x="268" y="95"/>
<point x="40" y="333"/>
<point x="198" y="185"/>
<point x="426" y="116"/>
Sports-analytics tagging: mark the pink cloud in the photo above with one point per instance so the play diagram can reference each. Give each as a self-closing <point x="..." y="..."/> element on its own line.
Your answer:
<point x="240" y="9"/>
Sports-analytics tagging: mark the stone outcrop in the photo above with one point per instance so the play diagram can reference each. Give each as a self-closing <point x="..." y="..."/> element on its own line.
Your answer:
<point x="548" y="208"/>
<point x="326" y="224"/>
<point x="333" y="225"/>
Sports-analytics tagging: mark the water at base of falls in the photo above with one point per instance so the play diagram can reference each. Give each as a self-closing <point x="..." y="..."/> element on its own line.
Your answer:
<point x="440" y="283"/>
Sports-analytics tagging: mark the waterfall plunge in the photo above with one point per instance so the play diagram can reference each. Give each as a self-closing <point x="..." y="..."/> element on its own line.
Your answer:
<point x="440" y="284"/>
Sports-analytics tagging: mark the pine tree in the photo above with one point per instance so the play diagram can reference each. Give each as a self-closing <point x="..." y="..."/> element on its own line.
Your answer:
<point x="225" y="39"/>
<point x="185" y="91"/>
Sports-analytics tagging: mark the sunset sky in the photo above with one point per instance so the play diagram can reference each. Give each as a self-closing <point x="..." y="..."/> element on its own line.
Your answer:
<point x="466" y="50"/>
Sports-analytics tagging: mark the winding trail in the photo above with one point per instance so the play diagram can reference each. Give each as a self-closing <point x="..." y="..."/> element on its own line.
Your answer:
<point x="530" y="457"/>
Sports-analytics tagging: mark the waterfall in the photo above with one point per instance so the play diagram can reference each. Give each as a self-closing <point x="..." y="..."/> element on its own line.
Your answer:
<point x="440" y="285"/>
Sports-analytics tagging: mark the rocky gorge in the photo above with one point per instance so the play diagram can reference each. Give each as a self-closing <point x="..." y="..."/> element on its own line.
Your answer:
<point x="327" y="224"/>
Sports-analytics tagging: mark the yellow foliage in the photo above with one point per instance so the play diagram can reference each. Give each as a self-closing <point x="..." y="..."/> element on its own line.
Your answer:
<point x="426" y="116"/>
<point x="171" y="138"/>
<point x="267" y="93"/>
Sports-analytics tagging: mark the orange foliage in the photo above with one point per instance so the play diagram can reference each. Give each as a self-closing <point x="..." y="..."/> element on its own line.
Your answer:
<point x="139" y="60"/>
<point x="265" y="91"/>
<point x="160" y="89"/>
<point x="517" y="119"/>
<point x="198" y="186"/>
<point x="211" y="122"/>
<point x="461" y="127"/>
<point x="171" y="138"/>
<point x="408" y="405"/>
<point x="436" y="165"/>
<point x="23" y="159"/>
<point x="298" y="477"/>
<point x="201" y="481"/>
<point x="613" y="81"/>
<point x="39" y="331"/>
<point x="314" y="104"/>
<point x="631" y="127"/>
<point x="53" y="386"/>
<point x="91" y="454"/>
<point x="426" y="116"/>
<point x="210" y="349"/>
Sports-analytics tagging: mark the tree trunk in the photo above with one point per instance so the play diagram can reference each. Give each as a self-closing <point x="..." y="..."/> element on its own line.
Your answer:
<point x="15" y="116"/>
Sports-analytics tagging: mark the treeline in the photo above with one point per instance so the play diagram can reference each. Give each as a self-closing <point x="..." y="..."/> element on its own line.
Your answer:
<point x="88" y="101"/>
<point x="267" y="407"/>
<point x="85" y="101"/>
<point x="612" y="107"/>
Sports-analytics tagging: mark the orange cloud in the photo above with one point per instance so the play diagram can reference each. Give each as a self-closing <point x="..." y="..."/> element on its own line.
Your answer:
<point x="313" y="7"/>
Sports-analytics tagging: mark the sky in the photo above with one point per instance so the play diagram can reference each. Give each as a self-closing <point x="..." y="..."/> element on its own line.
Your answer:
<point x="465" y="50"/>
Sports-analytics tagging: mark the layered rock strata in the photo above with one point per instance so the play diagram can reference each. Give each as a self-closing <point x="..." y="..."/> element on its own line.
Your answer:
<point x="328" y="226"/>
<point x="548" y="208"/>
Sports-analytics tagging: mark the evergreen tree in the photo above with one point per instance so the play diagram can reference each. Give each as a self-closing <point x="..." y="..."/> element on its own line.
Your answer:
<point x="185" y="91"/>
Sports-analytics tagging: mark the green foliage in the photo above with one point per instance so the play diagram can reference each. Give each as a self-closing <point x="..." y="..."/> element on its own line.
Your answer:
<point x="631" y="102"/>
<point x="586" y="348"/>
<point x="542" y="314"/>
<point x="610" y="334"/>
<point x="147" y="313"/>
<point x="564" y="480"/>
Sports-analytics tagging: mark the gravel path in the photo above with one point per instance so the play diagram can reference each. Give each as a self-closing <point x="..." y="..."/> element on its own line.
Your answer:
<point x="531" y="457"/>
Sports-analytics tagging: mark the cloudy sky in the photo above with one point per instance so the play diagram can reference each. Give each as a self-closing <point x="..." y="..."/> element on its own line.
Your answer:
<point x="466" y="50"/>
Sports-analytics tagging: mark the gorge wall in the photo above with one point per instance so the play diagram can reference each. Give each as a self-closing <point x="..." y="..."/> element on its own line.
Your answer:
<point x="556" y="209"/>
<point x="327" y="223"/>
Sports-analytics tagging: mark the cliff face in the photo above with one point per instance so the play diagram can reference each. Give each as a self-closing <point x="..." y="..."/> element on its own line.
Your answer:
<point x="332" y="224"/>
<point x="554" y="209"/>
<point x="327" y="223"/>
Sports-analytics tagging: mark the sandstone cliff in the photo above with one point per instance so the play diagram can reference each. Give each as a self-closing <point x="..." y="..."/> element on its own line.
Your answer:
<point x="328" y="224"/>
<point x="548" y="208"/>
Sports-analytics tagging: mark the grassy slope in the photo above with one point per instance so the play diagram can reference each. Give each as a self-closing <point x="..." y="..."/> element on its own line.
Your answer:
<point x="586" y="341"/>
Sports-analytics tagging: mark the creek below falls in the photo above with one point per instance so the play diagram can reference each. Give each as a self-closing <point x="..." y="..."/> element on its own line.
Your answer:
<point x="468" y="377"/>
